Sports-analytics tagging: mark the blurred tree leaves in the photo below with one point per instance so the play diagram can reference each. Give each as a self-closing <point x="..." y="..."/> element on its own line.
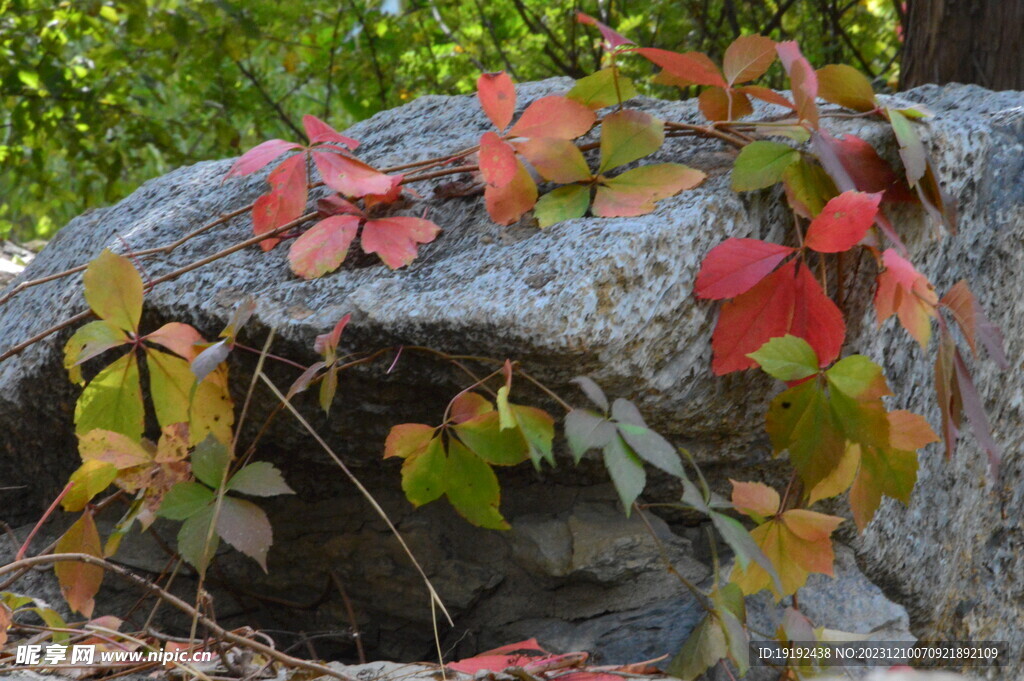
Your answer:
<point x="100" y="95"/>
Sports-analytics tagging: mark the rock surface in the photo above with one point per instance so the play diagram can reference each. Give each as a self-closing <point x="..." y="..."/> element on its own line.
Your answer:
<point x="611" y="298"/>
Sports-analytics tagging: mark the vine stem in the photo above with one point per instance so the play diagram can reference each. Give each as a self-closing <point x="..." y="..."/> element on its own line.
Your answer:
<point x="173" y="600"/>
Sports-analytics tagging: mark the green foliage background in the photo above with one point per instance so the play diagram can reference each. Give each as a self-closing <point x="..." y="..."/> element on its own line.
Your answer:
<point x="99" y="96"/>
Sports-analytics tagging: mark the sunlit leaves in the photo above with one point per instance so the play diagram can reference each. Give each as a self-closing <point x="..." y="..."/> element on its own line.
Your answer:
<point x="788" y="301"/>
<point x="612" y="38"/>
<point x="603" y="88"/>
<point x="796" y="541"/>
<point x="509" y="203"/>
<point x="846" y="86"/>
<point x="554" y="117"/>
<point x="636" y="191"/>
<point x="747" y="58"/>
<point x="79" y="582"/>
<point x="628" y="135"/>
<point x="88" y="341"/>
<point x="736" y="265"/>
<point x="113" y="400"/>
<point x="787" y="358"/>
<point x="761" y="164"/>
<point x="842" y="222"/>
<point x="113" y="290"/>
<point x="905" y="292"/>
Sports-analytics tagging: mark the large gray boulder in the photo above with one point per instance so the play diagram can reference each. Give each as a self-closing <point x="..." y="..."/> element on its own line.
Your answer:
<point x="611" y="298"/>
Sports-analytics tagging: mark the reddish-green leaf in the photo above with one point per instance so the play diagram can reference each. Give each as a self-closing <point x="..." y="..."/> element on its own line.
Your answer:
<point x="484" y="435"/>
<point x="612" y="38"/>
<point x="905" y="292"/>
<point x="395" y="240"/>
<point x="497" y="160"/>
<point x="556" y="160"/>
<point x="691" y="68"/>
<point x="808" y="187"/>
<point x="350" y="176"/>
<point x="724" y="105"/>
<point x="747" y="58"/>
<point x="736" y="265"/>
<point x="556" y="117"/>
<point x="259" y="156"/>
<point x="88" y="341"/>
<point x="628" y="135"/>
<point x="497" y="96"/>
<point x="113" y="289"/>
<point x="843" y="222"/>
<point x="604" y="88"/>
<point x="323" y="247"/>
<point x="766" y="95"/>
<point x="803" y="81"/>
<point x="507" y="204"/>
<point x="789" y="300"/>
<point x="79" y="582"/>
<point x="635" y="192"/>
<point x="869" y="171"/>
<point x="565" y="203"/>
<point x="761" y="164"/>
<point x="181" y="339"/>
<point x="408" y="439"/>
<point x="973" y="323"/>
<point x="888" y="472"/>
<point x="327" y="343"/>
<point x="319" y="132"/>
<point x="755" y="499"/>
<point x="845" y="86"/>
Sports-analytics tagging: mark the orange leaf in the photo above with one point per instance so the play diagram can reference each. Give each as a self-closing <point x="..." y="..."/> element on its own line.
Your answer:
<point x="556" y="117"/>
<point x="691" y="68"/>
<point x="748" y="58"/>
<point x="757" y="498"/>
<point x="350" y="176"/>
<point x="507" y="204"/>
<point x="497" y="96"/>
<point x="323" y="247"/>
<point x="724" y="105"/>
<point x="497" y="160"/>
<point x="395" y="240"/>
<point x="905" y="292"/>
<point x="79" y="582"/>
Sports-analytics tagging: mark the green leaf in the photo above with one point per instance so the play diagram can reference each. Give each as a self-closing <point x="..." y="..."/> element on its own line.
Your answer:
<point x="585" y="430"/>
<point x="593" y="391"/>
<point x="192" y="540"/>
<point x="505" y="418"/>
<point x="485" y="437"/>
<point x="113" y="400"/>
<point x="171" y="383"/>
<point x="626" y="471"/>
<point x="705" y="647"/>
<point x="800" y="420"/>
<point x="846" y="86"/>
<point x="472" y="488"/>
<point x="113" y="289"/>
<point x="629" y="135"/>
<point x="423" y="474"/>
<point x="210" y="461"/>
<point x="635" y="191"/>
<point x="761" y="164"/>
<point x="564" y="203"/>
<point x="538" y="429"/>
<point x="598" y="90"/>
<point x="647" y="444"/>
<point x="787" y="358"/>
<point x="184" y="500"/>
<point x="244" y="525"/>
<point x="260" y="479"/>
<point x="743" y="545"/>
<point x="858" y="377"/>
<point x="808" y="187"/>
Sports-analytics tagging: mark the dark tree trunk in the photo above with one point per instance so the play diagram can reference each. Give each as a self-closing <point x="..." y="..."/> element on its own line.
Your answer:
<point x="964" y="41"/>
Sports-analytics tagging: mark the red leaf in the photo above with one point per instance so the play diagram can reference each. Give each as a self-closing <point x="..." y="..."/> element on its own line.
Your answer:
<point x="497" y="160"/>
<point x="497" y="96"/>
<point x="736" y="265"/>
<point x="395" y="239"/>
<point x="803" y="81"/>
<point x="323" y="247"/>
<point x="259" y="156"/>
<point x="788" y="301"/>
<point x="335" y="205"/>
<point x="500" y="659"/>
<point x="350" y="176"/>
<point x="507" y="204"/>
<point x="390" y="196"/>
<point x="869" y="171"/>
<point x="974" y="324"/>
<point x="766" y="95"/>
<point x="556" y="117"/>
<point x="691" y="68"/>
<point x="748" y="58"/>
<point x="285" y="202"/>
<point x="843" y="222"/>
<point x="330" y="340"/>
<point x="612" y="38"/>
<point x="317" y="131"/>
